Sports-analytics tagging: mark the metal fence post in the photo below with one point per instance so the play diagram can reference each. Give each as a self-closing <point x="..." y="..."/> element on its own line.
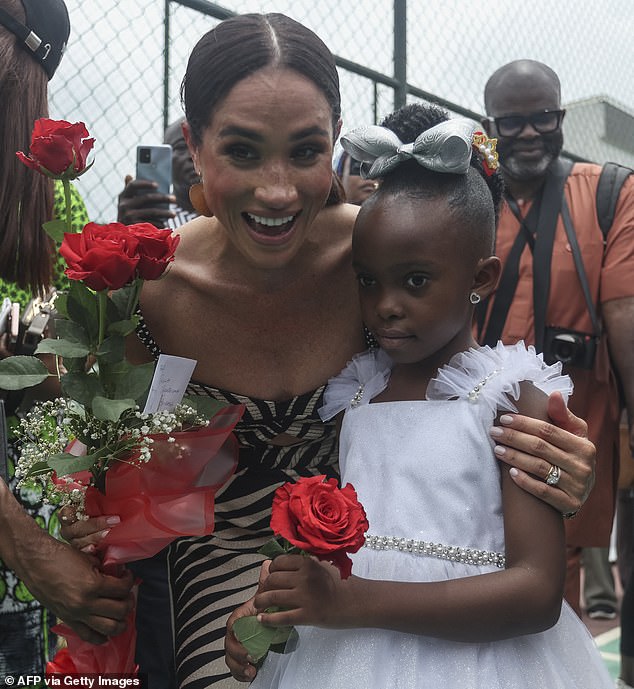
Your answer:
<point x="166" y="65"/>
<point x="400" y="52"/>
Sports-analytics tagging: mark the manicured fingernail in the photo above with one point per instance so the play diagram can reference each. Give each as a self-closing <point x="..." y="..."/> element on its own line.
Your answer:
<point x="514" y="472"/>
<point x="90" y="548"/>
<point x="103" y="534"/>
<point x="251" y="660"/>
<point x="111" y="521"/>
<point x="506" y="419"/>
<point x="496" y="431"/>
<point x="499" y="450"/>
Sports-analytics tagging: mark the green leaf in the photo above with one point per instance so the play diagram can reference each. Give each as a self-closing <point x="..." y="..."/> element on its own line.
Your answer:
<point x="255" y="637"/>
<point x="272" y="549"/>
<point x="111" y="350"/>
<point x="75" y="365"/>
<point x="61" y="306"/>
<point x="205" y="406"/>
<point x="287" y="645"/>
<point x="19" y="372"/>
<point x="281" y="634"/>
<point x="129" y="381"/>
<point x="63" y="348"/>
<point x="80" y="386"/>
<point x="123" y="328"/>
<point x="63" y="464"/>
<point x="55" y="230"/>
<point x="68" y="330"/>
<point x="37" y="469"/>
<point x="81" y="305"/>
<point x="126" y="298"/>
<point x="110" y="410"/>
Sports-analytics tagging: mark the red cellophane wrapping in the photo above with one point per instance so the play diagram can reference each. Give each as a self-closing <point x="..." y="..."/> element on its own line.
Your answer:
<point x="170" y="496"/>
<point x="80" y="657"/>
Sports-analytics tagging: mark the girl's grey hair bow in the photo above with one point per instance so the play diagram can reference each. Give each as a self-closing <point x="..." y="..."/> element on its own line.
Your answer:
<point x="446" y="147"/>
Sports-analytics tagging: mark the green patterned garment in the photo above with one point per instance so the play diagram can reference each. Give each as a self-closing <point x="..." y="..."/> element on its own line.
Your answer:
<point x="25" y="639"/>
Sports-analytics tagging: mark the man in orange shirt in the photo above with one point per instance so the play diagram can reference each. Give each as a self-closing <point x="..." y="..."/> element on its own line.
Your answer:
<point x="523" y="104"/>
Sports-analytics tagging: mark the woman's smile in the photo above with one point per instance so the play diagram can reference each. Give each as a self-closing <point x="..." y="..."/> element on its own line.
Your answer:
<point x="270" y="230"/>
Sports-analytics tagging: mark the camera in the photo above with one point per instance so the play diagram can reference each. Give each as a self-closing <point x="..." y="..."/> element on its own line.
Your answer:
<point x="145" y="155"/>
<point x="570" y="347"/>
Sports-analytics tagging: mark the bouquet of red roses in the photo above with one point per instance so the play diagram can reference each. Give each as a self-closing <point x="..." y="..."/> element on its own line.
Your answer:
<point x="310" y="517"/>
<point x="98" y="447"/>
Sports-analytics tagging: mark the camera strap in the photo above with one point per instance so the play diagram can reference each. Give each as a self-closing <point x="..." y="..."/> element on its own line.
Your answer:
<point x="552" y="197"/>
<point x="581" y="271"/>
<point x="540" y="223"/>
<point x="506" y="288"/>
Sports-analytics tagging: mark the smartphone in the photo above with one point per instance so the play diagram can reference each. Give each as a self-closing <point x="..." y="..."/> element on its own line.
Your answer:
<point x="154" y="163"/>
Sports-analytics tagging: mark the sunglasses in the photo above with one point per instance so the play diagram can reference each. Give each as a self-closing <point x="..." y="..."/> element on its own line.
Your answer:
<point x="355" y="168"/>
<point x="543" y="122"/>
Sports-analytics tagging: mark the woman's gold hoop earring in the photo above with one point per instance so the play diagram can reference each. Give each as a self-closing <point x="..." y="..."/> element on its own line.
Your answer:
<point x="475" y="298"/>
<point x="199" y="203"/>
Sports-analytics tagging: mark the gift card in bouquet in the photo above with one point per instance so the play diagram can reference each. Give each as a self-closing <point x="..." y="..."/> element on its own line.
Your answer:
<point x="171" y="377"/>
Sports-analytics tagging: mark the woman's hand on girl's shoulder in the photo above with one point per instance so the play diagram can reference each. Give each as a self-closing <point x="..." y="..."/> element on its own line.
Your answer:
<point x="533" y="446"/>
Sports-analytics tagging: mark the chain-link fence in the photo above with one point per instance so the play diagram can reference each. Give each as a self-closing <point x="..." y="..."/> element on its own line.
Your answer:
<point x="125" y="60"/>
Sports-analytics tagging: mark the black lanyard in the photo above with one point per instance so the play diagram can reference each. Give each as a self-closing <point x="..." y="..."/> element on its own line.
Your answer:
<point x="543" y="214"/>
<point x="515" y="209"/>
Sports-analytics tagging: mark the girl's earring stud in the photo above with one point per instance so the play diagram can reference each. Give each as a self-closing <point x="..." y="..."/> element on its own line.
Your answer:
<point x="475" y="298"/>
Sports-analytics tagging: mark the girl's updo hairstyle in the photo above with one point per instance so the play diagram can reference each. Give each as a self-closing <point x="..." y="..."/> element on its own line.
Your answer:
<point x="244" y="44"/>
<point x="474" y="197"/>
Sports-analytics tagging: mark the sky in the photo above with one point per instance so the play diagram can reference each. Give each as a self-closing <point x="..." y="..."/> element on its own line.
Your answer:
<point x="112" y="74"/>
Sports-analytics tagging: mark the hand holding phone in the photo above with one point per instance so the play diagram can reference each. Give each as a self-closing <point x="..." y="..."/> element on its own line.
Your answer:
<point x="154" y="163"/>
<point x="147" y="198"/>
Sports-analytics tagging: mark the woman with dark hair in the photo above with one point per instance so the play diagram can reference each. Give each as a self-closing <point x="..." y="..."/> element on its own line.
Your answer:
<point x="263" y="296"/>
<point x="37" y="573"/>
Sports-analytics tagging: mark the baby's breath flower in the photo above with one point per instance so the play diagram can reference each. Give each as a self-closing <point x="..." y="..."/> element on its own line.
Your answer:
<point x="48" y="428"/>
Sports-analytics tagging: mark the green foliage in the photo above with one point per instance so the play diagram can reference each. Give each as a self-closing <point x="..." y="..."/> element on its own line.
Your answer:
<point x="204" y="406"/>
<point x="82" y="309"/>
<point x="55" y="230"/>
<point x="110" y="410"/>
<point x="81" y="387"/>
<point x="19" y="372"/>
<point x="257" y="638"/>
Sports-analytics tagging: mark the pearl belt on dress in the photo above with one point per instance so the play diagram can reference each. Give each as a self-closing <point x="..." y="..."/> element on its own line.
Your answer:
<point x="469" y="556"/>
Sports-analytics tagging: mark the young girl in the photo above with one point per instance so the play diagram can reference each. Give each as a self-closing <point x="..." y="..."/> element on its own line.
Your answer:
<point x="461" y="579"/>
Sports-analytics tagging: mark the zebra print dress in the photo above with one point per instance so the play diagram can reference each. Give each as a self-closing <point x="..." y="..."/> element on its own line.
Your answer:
<point x="213" y="575"/>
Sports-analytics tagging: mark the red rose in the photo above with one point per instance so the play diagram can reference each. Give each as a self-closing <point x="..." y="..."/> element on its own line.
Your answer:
<point x="62" y="664"/>
<point x="320" y="518"/>
<point x="58" y="148"/>
<point x="102" y="256"/>
<point x="156" y="249"/>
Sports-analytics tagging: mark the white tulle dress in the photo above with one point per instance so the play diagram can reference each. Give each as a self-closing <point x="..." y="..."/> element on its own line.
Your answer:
<point x="428" y="479"/>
